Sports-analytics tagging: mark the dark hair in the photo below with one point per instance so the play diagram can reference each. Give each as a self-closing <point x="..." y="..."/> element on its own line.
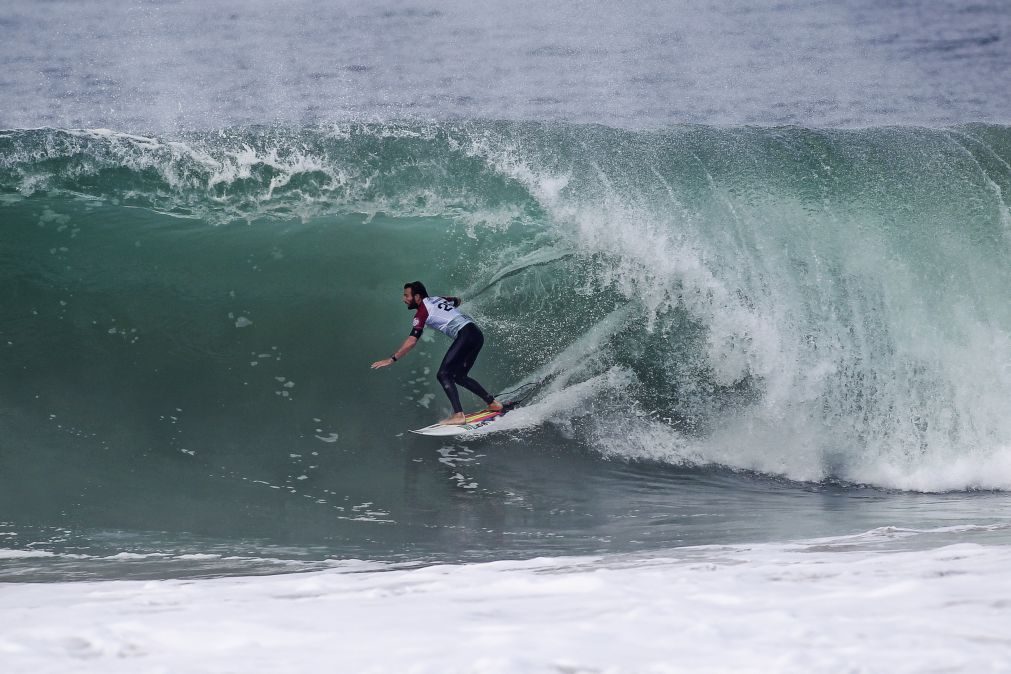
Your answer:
<point x="417" y="288"/>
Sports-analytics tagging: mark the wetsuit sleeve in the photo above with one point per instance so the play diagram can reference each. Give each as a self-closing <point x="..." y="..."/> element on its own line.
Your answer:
<point x="419" y="321"/>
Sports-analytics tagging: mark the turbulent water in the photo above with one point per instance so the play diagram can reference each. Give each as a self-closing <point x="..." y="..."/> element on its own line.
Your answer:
<point x="747" y="263"/>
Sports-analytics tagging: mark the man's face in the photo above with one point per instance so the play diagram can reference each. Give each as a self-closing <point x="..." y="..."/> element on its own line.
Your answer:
<point x="410" y="299"/>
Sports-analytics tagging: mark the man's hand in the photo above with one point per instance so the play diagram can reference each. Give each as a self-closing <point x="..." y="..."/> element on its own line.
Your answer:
<point x="385" y="362"/>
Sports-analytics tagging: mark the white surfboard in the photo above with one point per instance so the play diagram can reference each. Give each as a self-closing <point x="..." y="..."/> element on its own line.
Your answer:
<point x="475" y="421"/>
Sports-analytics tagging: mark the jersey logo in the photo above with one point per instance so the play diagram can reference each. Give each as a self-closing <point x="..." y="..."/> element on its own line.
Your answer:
<point x="416" y="322"/>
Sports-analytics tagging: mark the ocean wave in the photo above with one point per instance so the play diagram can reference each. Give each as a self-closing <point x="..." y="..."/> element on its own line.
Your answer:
<point x="809" y="303"/>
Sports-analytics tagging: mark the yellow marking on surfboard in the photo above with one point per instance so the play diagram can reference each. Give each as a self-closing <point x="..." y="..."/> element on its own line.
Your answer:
<point x="480" y="416"/>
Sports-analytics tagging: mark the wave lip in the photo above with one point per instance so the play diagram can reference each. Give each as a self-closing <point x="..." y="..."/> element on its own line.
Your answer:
<point x="249" y="173"/>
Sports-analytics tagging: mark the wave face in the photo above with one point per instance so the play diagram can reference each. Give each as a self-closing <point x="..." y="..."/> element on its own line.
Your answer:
<point x="808" y="303"/>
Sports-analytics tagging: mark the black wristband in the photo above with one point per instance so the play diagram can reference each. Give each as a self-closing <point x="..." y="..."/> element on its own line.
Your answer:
<point x="394" y="358"/>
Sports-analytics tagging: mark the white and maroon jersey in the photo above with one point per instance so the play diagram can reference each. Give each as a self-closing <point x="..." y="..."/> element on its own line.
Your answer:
<point x="441" y="314"/>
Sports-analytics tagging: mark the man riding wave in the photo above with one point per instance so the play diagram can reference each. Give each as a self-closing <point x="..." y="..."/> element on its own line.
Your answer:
<point x="442" y="314"/>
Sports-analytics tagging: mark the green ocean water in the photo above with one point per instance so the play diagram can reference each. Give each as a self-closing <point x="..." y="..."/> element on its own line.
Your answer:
<point x="709" y="317"/>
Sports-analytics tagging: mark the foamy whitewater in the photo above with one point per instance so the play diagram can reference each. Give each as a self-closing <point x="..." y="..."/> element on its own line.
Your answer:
<point x="857" y="603"/>
<point x="746" y="265"/>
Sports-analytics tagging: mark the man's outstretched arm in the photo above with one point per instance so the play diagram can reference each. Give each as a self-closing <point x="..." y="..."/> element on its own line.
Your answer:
<point x="398" y="354"/>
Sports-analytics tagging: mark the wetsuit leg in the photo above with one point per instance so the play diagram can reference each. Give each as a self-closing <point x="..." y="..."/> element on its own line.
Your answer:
<point x="457" y="363"/>
<point x="463" y="377"/>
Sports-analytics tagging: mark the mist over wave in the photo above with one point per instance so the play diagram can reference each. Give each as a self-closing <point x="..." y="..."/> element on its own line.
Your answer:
<point x="809" y="303"/>
<point x="166" y="67"/>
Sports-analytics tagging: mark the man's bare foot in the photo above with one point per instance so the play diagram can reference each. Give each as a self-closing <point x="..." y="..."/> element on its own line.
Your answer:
<point x="455" y="420"/>
<point x="495" y="406"/>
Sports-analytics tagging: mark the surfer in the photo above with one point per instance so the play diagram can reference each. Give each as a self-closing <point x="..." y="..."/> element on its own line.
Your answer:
<point x="442" y="314"/>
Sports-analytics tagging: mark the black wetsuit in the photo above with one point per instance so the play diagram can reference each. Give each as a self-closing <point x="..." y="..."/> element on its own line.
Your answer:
<point x="456" y="366"/>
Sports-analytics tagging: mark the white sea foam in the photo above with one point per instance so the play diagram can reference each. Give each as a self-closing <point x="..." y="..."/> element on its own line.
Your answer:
<point x="20" y="554"/>
<point x="877" y="601"/>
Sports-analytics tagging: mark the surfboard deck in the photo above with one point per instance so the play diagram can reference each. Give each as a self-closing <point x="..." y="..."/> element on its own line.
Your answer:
<point x="475" y="420"/>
